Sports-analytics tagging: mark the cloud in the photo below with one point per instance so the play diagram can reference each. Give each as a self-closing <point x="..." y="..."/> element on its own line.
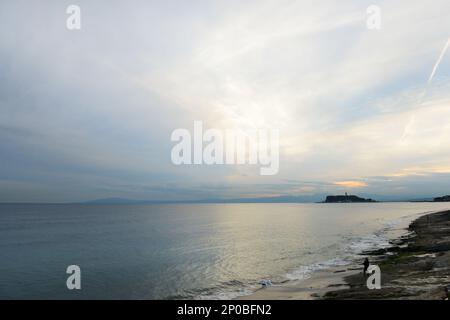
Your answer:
<point x="351" y="184"/>
<point x="90" y="113"/>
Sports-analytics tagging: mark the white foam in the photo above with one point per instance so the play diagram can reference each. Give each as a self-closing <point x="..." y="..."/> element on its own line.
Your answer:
<point x="305" y="272"/>
<point x="227" y="294"/>
<point x="370" y="242"/>
<point x="379" y="239"/>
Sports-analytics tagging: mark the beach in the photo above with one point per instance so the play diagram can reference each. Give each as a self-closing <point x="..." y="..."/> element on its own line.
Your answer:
<point x="415" y="266"/>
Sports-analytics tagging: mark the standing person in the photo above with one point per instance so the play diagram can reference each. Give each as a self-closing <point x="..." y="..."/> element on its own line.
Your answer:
<point x="366" y="265"/>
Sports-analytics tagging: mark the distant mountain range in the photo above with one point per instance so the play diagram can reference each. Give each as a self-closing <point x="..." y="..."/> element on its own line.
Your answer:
<point x="278" y="199"/>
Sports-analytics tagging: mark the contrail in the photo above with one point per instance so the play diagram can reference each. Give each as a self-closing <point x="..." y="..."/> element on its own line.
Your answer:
<point x="409" y="126"/>
<point x="438" y="61"/>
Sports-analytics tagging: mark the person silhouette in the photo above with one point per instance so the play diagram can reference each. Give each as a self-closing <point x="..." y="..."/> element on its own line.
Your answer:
<point x="366" y="264"/>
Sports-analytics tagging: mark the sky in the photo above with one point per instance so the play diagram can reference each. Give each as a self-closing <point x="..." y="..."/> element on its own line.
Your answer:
<point x="87" y="114"/>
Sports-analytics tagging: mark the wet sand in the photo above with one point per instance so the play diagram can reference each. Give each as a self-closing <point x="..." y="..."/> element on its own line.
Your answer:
<point x="417" y="266"/>
<point x="313" y="288"/>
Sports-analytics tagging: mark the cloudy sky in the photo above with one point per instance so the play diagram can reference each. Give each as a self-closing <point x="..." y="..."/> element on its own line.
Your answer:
<point x="88" y="113"/>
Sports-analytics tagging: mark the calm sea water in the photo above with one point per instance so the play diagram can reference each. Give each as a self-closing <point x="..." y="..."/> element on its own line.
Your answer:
<point x="184" y="251"/>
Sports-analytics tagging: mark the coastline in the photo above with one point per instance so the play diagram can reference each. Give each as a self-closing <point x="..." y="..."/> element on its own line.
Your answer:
<point x="416" y="266"/>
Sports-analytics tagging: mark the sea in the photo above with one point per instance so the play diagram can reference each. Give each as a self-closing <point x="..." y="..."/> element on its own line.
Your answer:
<point x="186" y="251"/>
